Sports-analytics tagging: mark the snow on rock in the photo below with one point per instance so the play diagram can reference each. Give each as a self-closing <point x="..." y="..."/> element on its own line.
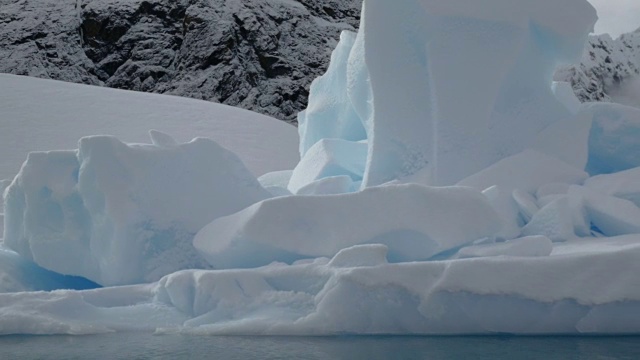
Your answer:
<point x="260" y="55"/>
<point x="121" y="214"/>
<point x="414" y="221"/>
<point x="606" y="67"/>
<point x="614" y="141"/>
<point x="502" y="79"/>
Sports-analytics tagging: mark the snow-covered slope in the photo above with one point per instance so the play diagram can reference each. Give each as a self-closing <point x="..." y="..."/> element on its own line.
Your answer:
<point x="38" y="115"/>
<point x="608" y="70"/>
<point x="260" y="55"/>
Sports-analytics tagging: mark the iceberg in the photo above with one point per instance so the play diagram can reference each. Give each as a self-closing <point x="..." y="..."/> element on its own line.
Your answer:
<point x="451" y="86"/>
<point x="445" y="186"/>
<point x="121" y="214"/>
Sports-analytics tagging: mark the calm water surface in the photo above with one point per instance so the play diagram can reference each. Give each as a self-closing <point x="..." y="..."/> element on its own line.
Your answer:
<point x="146" y="346"/>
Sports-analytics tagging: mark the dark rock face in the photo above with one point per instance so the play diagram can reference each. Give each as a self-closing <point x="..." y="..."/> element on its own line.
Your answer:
<point x="257" y="54"/>
<point x="606" y="64"/>
<point x="260" y="55"/>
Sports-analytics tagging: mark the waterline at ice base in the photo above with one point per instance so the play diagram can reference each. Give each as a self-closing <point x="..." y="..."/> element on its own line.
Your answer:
<point x="445" y="186"/>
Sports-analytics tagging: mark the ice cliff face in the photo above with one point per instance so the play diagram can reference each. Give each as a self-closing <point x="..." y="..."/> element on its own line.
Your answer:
<point x="606" y="66"/>
<point x="256" y="54"/>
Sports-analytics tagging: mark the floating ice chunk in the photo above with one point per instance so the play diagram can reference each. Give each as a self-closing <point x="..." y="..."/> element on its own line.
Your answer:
<point x="614" y="141"/>
<point x="624" y="185"/>
<point x="361" y="255"/>
<point x="531" y="246"/>
<point x="565" y="94"/>
<point x="329" y="115"/>
<point x="329" y="186"/>
<point x="415" y="222"/>
<point x="121" y="214"/>
<point x="161" y="139"/>
<point x="329" y="157"/>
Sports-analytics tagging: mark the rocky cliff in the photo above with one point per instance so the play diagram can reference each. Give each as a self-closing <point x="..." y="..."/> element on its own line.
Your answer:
<point x="257" y="54"/>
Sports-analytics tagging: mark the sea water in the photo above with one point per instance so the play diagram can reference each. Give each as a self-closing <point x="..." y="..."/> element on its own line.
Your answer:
<point x="147" y="346"/>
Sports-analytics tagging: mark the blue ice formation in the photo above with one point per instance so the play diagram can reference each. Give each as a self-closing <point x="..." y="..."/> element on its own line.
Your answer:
<point x="122" y="214"/>
<point x="446" y="87"/>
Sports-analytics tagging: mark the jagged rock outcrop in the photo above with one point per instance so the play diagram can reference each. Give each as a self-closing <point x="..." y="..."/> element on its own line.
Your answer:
<point x="606" y="65"/>
<point x="257" y="54"/>
<point x="260" y="55"/>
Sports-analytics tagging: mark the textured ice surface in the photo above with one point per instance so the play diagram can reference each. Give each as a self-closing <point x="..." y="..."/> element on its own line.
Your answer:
<point x="121" y="214"/>
<point x="614" y="141"/>
<point x="625" y="184"/>
<point x="451" y="86"/>
<point x="414" y="221"/>
<point x="19" y="275"/>
<point x="520" y="174"/>
<point x="486" y="295"/>
<point x="329" y="158"/>
<point x="564" y="93"/>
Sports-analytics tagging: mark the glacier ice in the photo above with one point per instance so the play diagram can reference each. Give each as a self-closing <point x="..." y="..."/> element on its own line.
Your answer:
<point x="452" y="87"/>
<point x="414" y="221"/>
<point x="614" y="140"/>
<point x="624" y="184"/>
<point x="356" y="239"/>
<point x="329" y="158"/>
<point x="540" y="294"/>
<point x="121" y="214"/>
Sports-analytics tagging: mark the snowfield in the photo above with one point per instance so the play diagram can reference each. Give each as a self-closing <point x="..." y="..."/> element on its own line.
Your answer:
<point x="443" y="184"/>
<point x="40" y="115"/>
